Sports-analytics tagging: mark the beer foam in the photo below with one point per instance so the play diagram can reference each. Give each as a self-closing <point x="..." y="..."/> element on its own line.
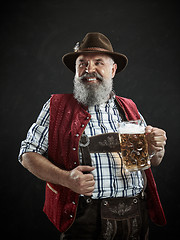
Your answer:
<point x="131" y="129"/>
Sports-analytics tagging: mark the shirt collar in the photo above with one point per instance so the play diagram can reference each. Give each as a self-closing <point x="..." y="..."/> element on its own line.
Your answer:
<point x="112" y="97"/>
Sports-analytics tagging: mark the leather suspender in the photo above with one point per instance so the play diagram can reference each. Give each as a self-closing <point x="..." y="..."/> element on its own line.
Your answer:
<point x="84" y="146"/>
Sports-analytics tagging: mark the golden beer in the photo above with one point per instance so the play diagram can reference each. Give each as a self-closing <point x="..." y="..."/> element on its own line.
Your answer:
<point x="134" y="148"/>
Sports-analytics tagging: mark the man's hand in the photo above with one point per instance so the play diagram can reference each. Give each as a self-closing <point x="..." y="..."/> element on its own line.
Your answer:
<point x="156" y="138"/>
<point x="79" y="182"/>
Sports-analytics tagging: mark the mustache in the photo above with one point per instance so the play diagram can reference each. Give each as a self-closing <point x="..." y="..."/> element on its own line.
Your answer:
<point x="91" y="75"/>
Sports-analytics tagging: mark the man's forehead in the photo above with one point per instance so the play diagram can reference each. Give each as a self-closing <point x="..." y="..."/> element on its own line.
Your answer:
<point x="93" y="56"/>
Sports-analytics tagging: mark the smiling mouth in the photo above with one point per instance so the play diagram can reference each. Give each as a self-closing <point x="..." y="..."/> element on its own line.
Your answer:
<point x="92" y="80"/>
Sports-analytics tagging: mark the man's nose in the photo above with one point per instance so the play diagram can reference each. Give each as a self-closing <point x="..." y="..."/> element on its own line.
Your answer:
<point x="90" y="67"/>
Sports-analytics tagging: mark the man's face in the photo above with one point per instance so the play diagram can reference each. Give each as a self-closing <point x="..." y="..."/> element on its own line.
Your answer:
<point x="99" y="64"/>
<point x="93" y="78"/>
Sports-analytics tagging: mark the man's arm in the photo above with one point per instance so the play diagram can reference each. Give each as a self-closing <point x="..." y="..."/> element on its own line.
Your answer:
<point x="36" y="144"/>
<point x="42" y="168"/>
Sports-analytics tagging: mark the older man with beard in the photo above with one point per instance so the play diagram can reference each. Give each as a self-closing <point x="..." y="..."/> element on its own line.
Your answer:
<point x="93" y="79"/>
<point x="89" y="194"/>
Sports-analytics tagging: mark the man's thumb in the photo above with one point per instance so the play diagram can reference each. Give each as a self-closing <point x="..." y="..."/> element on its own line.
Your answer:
<point x="85" y="168"/>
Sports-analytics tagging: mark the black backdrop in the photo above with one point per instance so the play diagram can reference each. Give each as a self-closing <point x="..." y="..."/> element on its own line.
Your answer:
<point x="34" y="35"/>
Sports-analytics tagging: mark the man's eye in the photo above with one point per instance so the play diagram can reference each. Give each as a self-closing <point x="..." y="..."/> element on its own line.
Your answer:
<point x="99" y="63"/>
<point x="82" y="64"/>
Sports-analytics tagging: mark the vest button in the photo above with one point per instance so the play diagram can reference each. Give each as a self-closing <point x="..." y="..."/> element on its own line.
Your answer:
<point x="71" y="216"/>
<point x="82" y="125"/>
<point x="73" y="203"/>
<point x="74" y="149"/>
<point x="87" y="118"/>
<point x="75" y="163"/>
<point x="77" y="135"/>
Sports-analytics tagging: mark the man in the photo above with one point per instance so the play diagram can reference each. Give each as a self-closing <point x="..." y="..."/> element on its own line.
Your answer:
<point x="89" y="195"/>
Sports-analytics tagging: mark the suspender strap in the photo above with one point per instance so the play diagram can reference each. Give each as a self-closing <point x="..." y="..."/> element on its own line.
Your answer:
<point x="104" y="143"/>
<point x="84" y="147"/>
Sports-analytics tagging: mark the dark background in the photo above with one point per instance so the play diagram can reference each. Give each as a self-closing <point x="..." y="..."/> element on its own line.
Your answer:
<point x="34" y="35"/>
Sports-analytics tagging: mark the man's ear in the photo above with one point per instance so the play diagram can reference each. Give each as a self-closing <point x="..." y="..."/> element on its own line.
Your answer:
<point x="114" y="68"/>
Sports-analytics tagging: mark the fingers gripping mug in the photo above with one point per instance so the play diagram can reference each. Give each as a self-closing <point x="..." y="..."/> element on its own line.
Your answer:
<point x="134" y="146"/>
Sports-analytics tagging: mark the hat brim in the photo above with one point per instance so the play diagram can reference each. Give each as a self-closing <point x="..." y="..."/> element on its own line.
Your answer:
<point x="121" y="60"/>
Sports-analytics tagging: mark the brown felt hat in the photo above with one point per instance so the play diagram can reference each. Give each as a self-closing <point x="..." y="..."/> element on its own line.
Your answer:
<point x="94" y="42"/>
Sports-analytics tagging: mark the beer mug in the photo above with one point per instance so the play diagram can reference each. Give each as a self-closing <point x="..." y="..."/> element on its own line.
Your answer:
<point x="134" y="146"/>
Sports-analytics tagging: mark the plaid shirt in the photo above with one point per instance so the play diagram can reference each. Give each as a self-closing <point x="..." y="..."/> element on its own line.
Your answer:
<point x="111" y="179"/>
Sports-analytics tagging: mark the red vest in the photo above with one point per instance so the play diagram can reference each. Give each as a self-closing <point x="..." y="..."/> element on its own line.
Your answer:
<point x="68" y="119"/>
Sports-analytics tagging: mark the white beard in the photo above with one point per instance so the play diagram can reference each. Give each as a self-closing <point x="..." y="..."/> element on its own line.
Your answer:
<point x="92" y="94"/>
